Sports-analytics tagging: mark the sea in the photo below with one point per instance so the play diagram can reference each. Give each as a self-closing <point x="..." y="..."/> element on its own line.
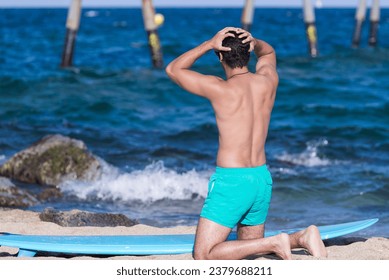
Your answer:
<point x="328" y="142"/>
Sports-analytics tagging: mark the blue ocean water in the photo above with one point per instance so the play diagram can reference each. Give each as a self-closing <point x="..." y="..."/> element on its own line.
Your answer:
<point x="328" y="144"/>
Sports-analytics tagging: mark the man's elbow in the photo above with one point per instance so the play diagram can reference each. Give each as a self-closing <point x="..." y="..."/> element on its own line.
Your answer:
<point x="170" y="71"/>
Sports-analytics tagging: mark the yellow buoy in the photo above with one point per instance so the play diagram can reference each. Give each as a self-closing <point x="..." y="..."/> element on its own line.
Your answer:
<point x="159" y="19"/>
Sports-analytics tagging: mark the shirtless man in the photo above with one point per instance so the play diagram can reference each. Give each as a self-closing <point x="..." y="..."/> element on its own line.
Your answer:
<point x="239" y="191"/>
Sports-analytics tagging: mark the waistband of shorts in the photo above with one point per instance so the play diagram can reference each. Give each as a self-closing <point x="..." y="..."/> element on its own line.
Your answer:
<point x="240" y="170"/>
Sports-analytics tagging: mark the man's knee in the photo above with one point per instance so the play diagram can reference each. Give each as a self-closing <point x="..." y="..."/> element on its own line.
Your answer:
<point x="200" y="254"/>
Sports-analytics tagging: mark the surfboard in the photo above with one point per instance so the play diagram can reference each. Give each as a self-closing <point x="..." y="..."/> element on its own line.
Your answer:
<point x="29" y="245"/>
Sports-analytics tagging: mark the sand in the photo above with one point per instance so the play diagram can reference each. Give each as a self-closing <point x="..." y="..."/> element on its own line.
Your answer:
<point x="28" y="222"/>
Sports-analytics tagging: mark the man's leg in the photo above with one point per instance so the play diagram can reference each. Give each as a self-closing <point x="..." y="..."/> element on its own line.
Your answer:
<point x="250" y="232"/>
<point x="211" y="244"/>
<point x="308" y="238"/>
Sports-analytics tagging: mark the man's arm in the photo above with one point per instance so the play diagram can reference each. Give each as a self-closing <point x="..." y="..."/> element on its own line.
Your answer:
<point x="266" y="55"/>
<point x="179" y="69"/>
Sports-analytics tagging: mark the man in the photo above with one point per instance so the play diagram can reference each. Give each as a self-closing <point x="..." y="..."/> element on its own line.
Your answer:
<point x="240" y="190"/>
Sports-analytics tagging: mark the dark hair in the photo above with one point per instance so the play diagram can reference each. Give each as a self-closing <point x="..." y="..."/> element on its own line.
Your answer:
<point x="239" y="55"/>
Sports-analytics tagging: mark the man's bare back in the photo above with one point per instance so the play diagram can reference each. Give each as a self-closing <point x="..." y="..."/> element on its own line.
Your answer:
<point x="240" y="190"/>
<point x="242" y="103"/>
<point x="243" y="117"/>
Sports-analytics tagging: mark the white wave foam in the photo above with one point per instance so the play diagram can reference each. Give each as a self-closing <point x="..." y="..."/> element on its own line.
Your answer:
<point x="309" y="157"/>
<point x="2" y="159"/>
<point x="284" y="171"/>
<point x="154" y="183"/>
<point x="91" y="13"/>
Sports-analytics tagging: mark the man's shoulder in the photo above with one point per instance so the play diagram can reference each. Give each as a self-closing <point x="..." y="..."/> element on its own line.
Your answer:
<point x="212" y="87"/>
<point x="267" y="76"/>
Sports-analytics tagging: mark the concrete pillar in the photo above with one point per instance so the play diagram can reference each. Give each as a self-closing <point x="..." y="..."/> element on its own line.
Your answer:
<point x="248" y="15"/>
<point x="374" y="21"/>
<point x="359" y="19"/>
<point x="72" y="25"/>
<point x="310" y="27"/>
<point x="152" y="34"/>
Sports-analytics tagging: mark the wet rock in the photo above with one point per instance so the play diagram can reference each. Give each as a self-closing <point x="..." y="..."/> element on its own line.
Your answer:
<point x="49" y="194"/>
<point x="52" y="160"/>
<point x="77" y="218"/>
<point x="12" y="196"/>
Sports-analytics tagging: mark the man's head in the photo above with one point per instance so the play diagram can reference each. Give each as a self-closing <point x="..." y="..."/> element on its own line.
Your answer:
<point x="239" y="55"/>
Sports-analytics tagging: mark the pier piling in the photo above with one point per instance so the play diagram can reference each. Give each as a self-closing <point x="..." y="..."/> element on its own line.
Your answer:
<point x="374" y="21"/>
<point x="248" y="15"/>
<point x="152" y="34"/>
<point x="310" y="27"/>
<point x="359" y="19"/>
<point x="72" y="25"/>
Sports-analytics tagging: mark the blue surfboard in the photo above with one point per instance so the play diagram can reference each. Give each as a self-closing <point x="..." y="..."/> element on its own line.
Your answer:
<point x="29" y="245"/>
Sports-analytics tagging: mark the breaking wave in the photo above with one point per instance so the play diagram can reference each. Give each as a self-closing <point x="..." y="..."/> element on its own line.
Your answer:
<point x="154" y="182"/>
<point x="309" y="157"/>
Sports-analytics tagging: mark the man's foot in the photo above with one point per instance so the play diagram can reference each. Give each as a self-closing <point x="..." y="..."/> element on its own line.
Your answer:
<point x="310" y="239"/>
<point x="282" y="246"/>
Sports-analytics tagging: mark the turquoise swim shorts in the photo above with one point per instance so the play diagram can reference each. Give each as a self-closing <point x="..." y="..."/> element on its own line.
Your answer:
<point x="238" y="195"/>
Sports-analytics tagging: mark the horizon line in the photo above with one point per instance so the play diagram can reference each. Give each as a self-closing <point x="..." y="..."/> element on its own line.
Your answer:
<point x="175" y="6"/>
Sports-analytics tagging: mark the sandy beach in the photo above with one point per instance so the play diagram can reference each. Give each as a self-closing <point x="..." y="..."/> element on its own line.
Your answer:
<point x="28" y="222"/>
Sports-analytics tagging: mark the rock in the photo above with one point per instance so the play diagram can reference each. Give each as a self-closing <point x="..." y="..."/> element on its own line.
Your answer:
<point x="52" y="160"/>
<point x="77" y="218"/>
<point x="12" y="196"/>
<point x="49" y="194"/>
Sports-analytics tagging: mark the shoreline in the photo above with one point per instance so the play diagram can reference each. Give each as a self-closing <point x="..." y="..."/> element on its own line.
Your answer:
<point x="28" y="222"/>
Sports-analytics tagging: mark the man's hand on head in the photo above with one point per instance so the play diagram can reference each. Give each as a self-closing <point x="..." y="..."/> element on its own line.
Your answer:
<point x="248" y="38"/>
<point x="217" y="40"/>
